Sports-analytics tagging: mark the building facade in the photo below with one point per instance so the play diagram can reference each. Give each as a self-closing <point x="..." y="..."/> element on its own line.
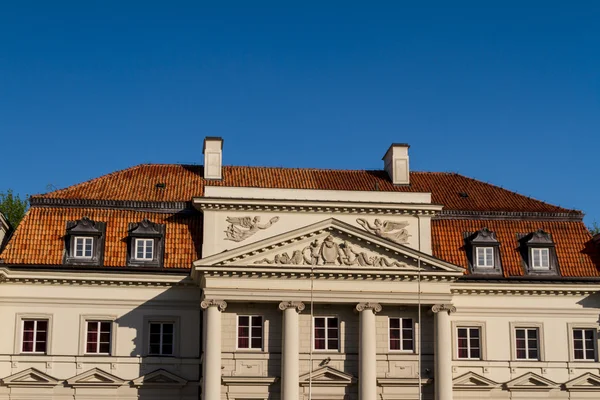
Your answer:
<point x="218" y="282"/>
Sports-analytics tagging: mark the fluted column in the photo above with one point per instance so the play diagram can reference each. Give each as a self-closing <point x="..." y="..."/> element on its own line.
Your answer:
<point x="443" y="351"/>
<point x="290" y="352"/>
<point x="211" y="366"/>
<point x="367" y="353"/>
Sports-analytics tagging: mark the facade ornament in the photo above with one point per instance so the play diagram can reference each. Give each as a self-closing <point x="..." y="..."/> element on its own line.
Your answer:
<point x="449" y="308"/>
<point x="376" y="307"/>
<point x="298" y="305"/>
<point x="241" y="228"/>
<point x="221" y="304"/>
<point x="328" y="252"/>
<point x="391" y="230"/>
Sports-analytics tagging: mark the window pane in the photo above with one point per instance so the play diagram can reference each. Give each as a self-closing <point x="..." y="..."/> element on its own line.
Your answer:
<point x="407" y="333"/>
<point x="590" y="354"/>
<point x="532" y="333"/>
<point x="168" y="328"/>
<point x="257" y="332"/>
<point x="589" y="334"/>
<point x="577" y="334"/>
<point x="256" y="343"/>
<point x="332" y="323"/>
<point x="167" y="349"/>
<point x="475" y="353"/>
<point x="521" y="354"/>
<point x="105" y="348"/>
<point x="319" y="322"/>
<point x="520" y="333"/>
<point x="168" y="338"/>
<point x="40" y="346"/>
<point x="578" y="344"/>
<point x="243" y="342"/>
<point x="332" y="344"/>
<point x="394" y="323"/>
<point x="407" y="344"/>
<point x="394" y="333"/>
<point x="154" y="348"/>
<point x="320" y="333"/>
<point x="155" y="328"/>
<point x="243" y="331"/>
<point x="332" y="333"/>
<point x="244" y="321"/>
<point x="407" y="323"/>
<point x="257" y="321"/>
<point x="394" y="344"/>
<point x="533" y="354"/>
<point x="320" y="344"/>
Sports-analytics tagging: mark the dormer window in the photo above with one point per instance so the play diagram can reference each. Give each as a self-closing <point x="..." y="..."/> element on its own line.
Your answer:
<point x="84" y="242"/>
<point x="538" y="253"/>
<point x="483" y="252"/>
<point x="146" y="244"/>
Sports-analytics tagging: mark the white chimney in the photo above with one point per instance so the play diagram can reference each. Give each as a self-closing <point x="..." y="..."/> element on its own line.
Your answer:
<point x="395" y="163"/>
<point x="213" y="157"/>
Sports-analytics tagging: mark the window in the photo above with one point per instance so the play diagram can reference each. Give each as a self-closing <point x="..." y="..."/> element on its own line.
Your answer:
<point x="250" y="332"/>
<point x="540" y="258"/>
<point x="584" y="344"/>
<point x="98" y="337"/>
<point x="35" y="336"/>
<point x="401" y="334"/>
<point x="527" y="343"/>
<point x="161" y="338"/>
<point x="485" y="257"/>
<point x="326" y="334"/>
<point x="83" y="247"/>
<point x="469" y="343"/>
<point x="144" y="249"/>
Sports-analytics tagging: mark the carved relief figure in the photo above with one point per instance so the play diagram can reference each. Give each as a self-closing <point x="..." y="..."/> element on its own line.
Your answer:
<point x="394" y="231"/>
<point x="241" y="228"/>
<point x="328" y="252"/>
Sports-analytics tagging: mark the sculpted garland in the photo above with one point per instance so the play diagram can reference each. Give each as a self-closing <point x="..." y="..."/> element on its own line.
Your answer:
<point x="328" y="252"/>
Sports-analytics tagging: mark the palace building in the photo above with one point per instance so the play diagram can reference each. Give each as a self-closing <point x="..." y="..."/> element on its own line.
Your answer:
<point x="248" y="283"/>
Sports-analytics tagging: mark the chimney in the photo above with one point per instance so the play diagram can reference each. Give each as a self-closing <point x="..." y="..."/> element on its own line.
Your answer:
<point x="213" y="157"/>
<point x="395" y="163"/>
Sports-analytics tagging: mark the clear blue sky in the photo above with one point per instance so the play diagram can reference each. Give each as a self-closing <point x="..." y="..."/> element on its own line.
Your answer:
<point x="506" y="92"/>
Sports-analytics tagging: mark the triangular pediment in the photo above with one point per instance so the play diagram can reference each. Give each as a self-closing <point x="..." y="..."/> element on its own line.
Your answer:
<point x="473" y="381"/>
<point x="95" y="377"/>
<point x="330" y="245"/>
<point x="327" y="376"/>
<point x="159" y="378"/>
<point x="585" y="383"/>
<point x="30" y="377"/>
<point x="531" y="381"/>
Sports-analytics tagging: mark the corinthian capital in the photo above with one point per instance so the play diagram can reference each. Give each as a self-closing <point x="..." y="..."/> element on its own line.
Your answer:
<point x="221" y="304"/>
<point x="298" y="305"/>
<point x="449" y="308"/>
<point x="375" y="307"/>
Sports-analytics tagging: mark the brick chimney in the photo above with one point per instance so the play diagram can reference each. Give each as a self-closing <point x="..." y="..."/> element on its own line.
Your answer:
<point x="213" y="157"/>
<point x="395" y="163"/>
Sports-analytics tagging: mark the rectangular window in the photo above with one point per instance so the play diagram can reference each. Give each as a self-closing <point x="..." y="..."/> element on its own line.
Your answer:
<point x="144" y="249"/>
<point x="485" y="257"/>
<point x="35" y="336"/>
<point x="401" y="334"/>
<point x="250" y="332"/>
<point x="527" y="343"/>
<point x="83" y="247"/>
<point x="469" y="343"/>
<point x="326" y="334"/>
<point x="161" y="338"/>
<point x="540" y="258"/>
<point x="98" y="337"/>
<point x="584" y="347"/>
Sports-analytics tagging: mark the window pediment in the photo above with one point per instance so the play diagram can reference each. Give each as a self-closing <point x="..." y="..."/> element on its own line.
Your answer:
<point x="145" y="244"/>
<point x="483" y="252"/>
<point x="538" y="253"/>
<point x="84" y="242"/>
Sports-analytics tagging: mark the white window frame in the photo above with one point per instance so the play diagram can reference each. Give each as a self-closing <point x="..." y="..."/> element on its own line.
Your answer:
<point x="484" y="249"/>
<point x="250" y="337"/>
<point x="83" y="320"/>
<point x="482" y="339"/>
<point x="414" y="341"/>
<point x="571" y="328"/>
<point x="541" y="250"/>
<point x="85" y="239"/>
<point x="35" y="333"/>
<point x="469" y="349"/>
<point x="144" y="247"/>
<point x="110" y="335"/>
<point x="339" y="338"/>
<point x="513" y="341"/>
<point x="175" y="330"/>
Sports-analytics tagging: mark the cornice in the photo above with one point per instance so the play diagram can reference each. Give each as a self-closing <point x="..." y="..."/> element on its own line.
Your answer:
<point x="152" y="206"/>
<point x="528" y="289"/>
<point x="508" y="215"/>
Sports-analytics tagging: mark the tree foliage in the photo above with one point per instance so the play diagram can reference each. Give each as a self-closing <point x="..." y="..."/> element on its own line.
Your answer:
<point x="13" y="207"/>
<point x="594" y="228"/>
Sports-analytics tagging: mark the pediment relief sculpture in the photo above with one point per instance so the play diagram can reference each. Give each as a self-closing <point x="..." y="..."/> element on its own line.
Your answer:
<point x="391" y="230"/>
<point x="329" y="252"/>
<point x="241" y="228"/>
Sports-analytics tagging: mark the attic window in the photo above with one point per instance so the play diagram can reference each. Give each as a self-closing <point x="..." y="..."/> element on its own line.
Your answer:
<point x="160" y="185"/>
<point x="84" y="242"/>
<point x="538" y="253"/>
<point x="146" y="244"/>
<point x="483" y="252"/>
<point x="463" y="195"/>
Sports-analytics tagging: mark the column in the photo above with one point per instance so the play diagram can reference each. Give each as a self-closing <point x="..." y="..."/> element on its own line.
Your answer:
<point x="367" y="353"/>
<point x="211" y="366"/>
<point x="290" y="351"/>
<point x="443" y="351"/>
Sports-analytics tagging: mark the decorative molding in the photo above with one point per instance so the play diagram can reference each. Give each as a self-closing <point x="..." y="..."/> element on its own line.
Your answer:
<point x="298" y="305"/>
<point x="375" y="307"/>
<point x="473" y="381"/>
<point x="387" y="229"/>
<point x="95" y="378"/>
<point x="154" y="206"/>
<point x="327" y="376"/>
<point x="221" y="304"/>
<point x="510" y="215"/>
<point x="241" y="228"/>
<point x="159" y="379"/>
<point x="531" y="382"/>
<point x="30" y="377"/>
<point x="449" y="308"/>
<point x="403" y="382"/>
<point x="248" y="381"/>
<point x="585" y="383"/>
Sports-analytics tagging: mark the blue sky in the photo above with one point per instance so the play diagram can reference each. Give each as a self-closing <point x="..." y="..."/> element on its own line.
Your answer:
<point x="506" y="92"/>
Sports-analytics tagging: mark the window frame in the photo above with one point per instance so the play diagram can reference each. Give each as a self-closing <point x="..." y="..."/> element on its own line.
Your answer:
<point x="546" y="250"/>
<point x="339" y="330"/>
<point x="481" y="325"/>
<point x="571" y="327"/>
<point x="84" y="229"/>
<point x="144" y="249"/>
<point x="18" y="343"/>
<point x="83" y="320"/>
<point x="146" y="230"/>
<point x="482" y="239"/>
<point x="540" y="340"/>
<point x="85" y="239"/>
<point x="99" y="323"/>
<point x="162" y="319"/>
<point x="262" y="330"/>
<point x="413" y="329"/>
<point x="476" y="258"/>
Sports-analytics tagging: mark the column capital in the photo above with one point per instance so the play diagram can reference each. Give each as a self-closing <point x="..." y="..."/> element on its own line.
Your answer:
<point x="375" y="307"/>
<point x="449" y="308"/>
<point x="298" y="305"/>
<point x="221" y="304"/>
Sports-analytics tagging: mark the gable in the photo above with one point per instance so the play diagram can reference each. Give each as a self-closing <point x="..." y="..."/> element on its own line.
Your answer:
<point x="585" y="383"/>
<point x="327" y="376"/>
<point x="531" y="381"/>
<point x="95" y="377"/>
<point x="473" y="381"/>
<point x="30" y="377"/>
<point x="159" y="378"/>
<point x="330" y="244"/>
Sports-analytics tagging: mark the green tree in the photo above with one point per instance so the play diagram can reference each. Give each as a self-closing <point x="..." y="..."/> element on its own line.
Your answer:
<point x="594" y="228"/>
<point x="13" y="207"/>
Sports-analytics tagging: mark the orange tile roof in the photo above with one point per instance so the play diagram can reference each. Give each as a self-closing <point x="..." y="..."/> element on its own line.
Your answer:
<point x="183" y="182"/>
<point x="39" y="239"/>
<point x="572" y="240"/>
